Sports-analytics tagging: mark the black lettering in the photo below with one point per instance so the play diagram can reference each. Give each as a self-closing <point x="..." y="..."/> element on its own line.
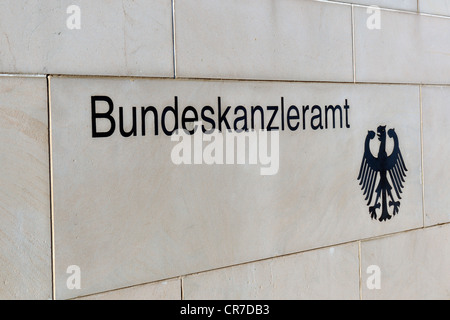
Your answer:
<point x="173" y="110"/>
<point x="304" y="108"/>
<point x="185" y="119"/>
<point x="223" y="116"/>
<point x="290" y="117"/>
<point x="107" y="115"/>
<point x="275" y="111"/>
<point x="346" y="107"/>
<point x="133" y="130"/>
<point x="261" y="112"/>
<point x="208" y="119"/>
<point x="332" y="108"/>
<point x="241" y="118"/>
<point x="332" y="113"/>
<point x="317" y="116"/>
<point x="155" y="118"/>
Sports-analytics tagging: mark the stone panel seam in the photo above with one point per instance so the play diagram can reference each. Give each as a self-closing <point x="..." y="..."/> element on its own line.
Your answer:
<point x="314" y="249"/>
<point x="237" y="80"/>
<point x="360" y="272"/>
<point x="437" y="225"/>
<point x="353" y="45"/>
<point x="23" y="75"/>
<point x="337" y="2"/>
<point x="422" y="177"/>
<point x="417" y="12"/>
<point x="174" y="43"/>
<point x="181" y="288"/>
<point x="124" y="288"/>
<point x="50" y="163"/>
<point x="83" y="76"/>
<point x="181" y="277"/>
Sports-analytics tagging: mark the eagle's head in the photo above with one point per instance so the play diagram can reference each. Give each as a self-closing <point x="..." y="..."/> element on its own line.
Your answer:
<point x="381" y="132"/>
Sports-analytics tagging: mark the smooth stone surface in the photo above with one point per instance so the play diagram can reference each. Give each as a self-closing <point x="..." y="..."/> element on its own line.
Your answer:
<point x="163" y="290"/>
<point x="413" y="265"/>
<point x="25" y="242"/>
<point x="440" y="7"/>
<point x="115" y="38"/>
<point x="408" y="48"/>
<point x="126" y="214"/>
<point x="264" y="39"/>
<point x="330" y="273"/>
<point x="408" y="5"/>
<point x="436" y="152"/>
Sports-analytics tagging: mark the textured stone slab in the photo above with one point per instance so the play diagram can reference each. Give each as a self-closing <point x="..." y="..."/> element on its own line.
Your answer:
<point x="407" y="48"/>
<point x="331" y="273"/>
<point x="254" y="39"/>
<point x="411" y="265"/>
<point x="125" y="213"/>
<point x="436" y="152"/>
<point x="114" y="37"/>
<point x="408" y="5"/>
<point x="440" y="7"/>
<point x="163" y="290"/>
<point x="25" y="242"/>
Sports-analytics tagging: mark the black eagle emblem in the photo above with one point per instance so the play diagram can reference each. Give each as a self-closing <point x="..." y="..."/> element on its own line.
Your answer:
<point x="376" y="169"/>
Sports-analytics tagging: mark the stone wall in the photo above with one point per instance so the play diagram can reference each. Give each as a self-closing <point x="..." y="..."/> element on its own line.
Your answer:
<point x="97" y="202"/>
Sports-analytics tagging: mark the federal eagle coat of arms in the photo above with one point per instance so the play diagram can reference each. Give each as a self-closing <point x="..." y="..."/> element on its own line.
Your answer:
<point x="382" y="175"/>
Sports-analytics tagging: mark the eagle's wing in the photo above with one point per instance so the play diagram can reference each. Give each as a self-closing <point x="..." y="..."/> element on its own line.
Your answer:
<point x="395" y="165"/>
<point x="370" y="167"/>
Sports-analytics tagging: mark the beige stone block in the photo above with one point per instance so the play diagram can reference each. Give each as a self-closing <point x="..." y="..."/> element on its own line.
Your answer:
<point x="408" y="5"/>
<point x="439" y="7"/>
<point x="126" y="214"/>
<point x="25" y="241"/>
<point x="411" y="265"/>
<point x="114" y="37"/>
<point x="163" y="290"/>
<point x="329" y="273"/>
<point x="436" y="152"/>
<point x="254" y="39"/>
<point x="407" y="48"/>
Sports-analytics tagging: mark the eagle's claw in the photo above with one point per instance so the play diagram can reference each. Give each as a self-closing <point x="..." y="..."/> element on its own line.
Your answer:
<point x="396" y="206"/>
<point x="372" y="210"/>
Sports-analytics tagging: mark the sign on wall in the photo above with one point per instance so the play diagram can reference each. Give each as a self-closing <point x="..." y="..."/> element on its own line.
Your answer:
<point x="157" y="178"/>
